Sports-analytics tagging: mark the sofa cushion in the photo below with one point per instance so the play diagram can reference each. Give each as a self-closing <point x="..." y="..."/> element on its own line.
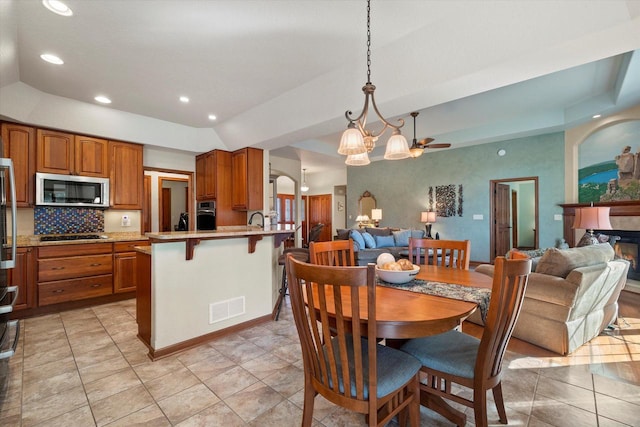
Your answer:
<point x="369" y="241"/>
<point x="560" y="262"/>
<point x="417" y="234"/>
<point x="343" y="233"/>
<point x="401" y="237"/>
<point x="384" y="241"/>
<point x="382" y="231"/>
<point x="357" y="238"/>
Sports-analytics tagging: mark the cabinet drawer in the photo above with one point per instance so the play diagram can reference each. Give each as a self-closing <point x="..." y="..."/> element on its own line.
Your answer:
<point x="75" y="289"/>
<point x="128" y="246"/>
<point x="72" y="267"/>
<point x="56" y="251"/>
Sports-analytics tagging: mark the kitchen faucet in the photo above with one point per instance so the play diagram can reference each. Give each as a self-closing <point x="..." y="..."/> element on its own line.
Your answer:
<point x="257" y="213"/>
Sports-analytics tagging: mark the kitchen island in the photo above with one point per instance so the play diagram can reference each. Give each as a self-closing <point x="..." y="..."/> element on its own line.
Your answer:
<point x="196" y="286"/>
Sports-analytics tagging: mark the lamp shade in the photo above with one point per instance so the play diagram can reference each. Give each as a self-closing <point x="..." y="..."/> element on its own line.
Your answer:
<point x="358" y="159"/>
<point x="362" y="218"/>
<point x="351" y="142"/>
<point x="376" y="214"/>
<point x="397" y="148"/>
<point x="592" y="218"/>
<point x="428" y="217"/>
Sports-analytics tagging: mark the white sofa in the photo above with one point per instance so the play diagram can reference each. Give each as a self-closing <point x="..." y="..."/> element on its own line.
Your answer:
<point x="570" y="298"/>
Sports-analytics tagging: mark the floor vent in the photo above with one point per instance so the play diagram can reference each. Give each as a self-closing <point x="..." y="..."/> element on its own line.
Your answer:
<point x="227" y="309"/>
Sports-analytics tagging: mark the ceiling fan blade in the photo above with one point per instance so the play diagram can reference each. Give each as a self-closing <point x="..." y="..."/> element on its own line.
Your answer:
<point x="443" y="145"/>
<point x="425" y="141"/>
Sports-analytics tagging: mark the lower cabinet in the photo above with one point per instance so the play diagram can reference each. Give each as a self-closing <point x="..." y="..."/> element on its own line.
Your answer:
<point x="124" y="266"/>
<point x="74" y="272"/>
<point x="24" y="277"/>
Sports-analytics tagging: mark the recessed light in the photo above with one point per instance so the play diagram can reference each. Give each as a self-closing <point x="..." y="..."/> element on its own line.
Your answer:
<point x="212" y="117"/>
<point x="596" y="116"/>
<point x="102" y="99"/>
<point x="58" y="7"/>
<point x="51" y="59"/>
<point x="502" y="152"/>
<point x="184" y="99"/>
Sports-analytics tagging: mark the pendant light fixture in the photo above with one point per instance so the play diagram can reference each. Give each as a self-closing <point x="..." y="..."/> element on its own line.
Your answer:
<point x="304" y="187"/>
<point x="357" y="139"/>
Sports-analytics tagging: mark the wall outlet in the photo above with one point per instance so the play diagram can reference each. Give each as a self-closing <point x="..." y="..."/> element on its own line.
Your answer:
<point x="126" y="221"/>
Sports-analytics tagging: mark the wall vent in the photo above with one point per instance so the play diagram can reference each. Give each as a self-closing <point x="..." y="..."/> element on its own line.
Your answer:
<point x="226" y="309"/>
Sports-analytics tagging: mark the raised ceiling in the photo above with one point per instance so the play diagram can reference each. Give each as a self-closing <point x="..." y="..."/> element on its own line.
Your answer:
<point x="280" y="74"/>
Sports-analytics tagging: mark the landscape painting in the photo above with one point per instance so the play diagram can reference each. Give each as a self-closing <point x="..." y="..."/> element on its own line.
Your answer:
<point x="609" y="164"/>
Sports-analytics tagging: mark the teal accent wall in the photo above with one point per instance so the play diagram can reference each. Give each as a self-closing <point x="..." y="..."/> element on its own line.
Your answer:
<point x="401" y="187"/>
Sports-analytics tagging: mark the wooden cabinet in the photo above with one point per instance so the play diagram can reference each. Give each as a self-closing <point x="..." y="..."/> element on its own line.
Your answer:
<point x="23" y="276"/>
<point x="206" y="176"/>
<point x="74" y="272"/>
<point x="20" y="146"/>
<point x="126" y="178"/>
<point x="247" y="179"/>
<point x="124" y="266"/>
<point x="55" y="152"/>
<point x="91" y="156"/>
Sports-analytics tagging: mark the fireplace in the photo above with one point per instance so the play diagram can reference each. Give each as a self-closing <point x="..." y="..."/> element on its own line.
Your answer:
<point x="628" y="247"/>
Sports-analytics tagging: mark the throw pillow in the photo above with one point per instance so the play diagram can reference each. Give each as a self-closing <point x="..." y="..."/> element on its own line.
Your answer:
<point x="369" y="241"/>
<point x="357" y="238"/>
<point x="343" y="233"/>
<point x="384" y="241"/>
<point x="417" y="234"/>
<point x="402" y="237"/>
<point x="560" y="262"/>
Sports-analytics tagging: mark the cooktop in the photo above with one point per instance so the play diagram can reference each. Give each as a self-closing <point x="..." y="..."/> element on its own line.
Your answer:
<point x="70" y="237"/>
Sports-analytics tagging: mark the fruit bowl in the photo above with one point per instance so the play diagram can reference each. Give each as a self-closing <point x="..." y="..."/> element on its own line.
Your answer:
<point x="397" y="277"/>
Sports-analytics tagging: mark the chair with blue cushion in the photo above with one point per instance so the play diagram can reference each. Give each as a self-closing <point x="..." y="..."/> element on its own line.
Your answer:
<point x="348" y="367"/>
<point x="336" y="253"/>
<point x="443" y="253"/>
<point x="456" y="358"/>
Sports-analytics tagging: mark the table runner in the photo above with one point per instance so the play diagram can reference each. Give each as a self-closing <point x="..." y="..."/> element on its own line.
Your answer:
<point x="480" y="296"/>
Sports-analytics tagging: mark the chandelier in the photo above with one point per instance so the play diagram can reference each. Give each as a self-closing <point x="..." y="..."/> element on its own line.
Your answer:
<point x="357" y="141"/>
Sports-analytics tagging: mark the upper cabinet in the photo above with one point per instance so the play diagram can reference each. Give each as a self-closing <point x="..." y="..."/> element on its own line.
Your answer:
<point x="91" y="156"/>
<point x="247" y="179"/>
<point x="206" y="176"/>
<point x="69" y="154"/>
<point x="55" y="152"/>
<point x="20" y="146"/>
<point x="127" y="175"/>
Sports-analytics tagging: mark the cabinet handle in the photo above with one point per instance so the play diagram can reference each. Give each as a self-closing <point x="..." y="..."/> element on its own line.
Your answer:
<point x="57" y="291"/>
<point x="95" y="264"/>
<point x="57" y="268"/>
<point x="97" y="285"/>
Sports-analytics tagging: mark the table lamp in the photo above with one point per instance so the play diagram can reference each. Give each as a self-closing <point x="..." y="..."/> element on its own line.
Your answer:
<point x="376" y="216"/>
<point x="428" y="218"/>
<point x="591" y="218"/>
<point x="362" y="220"/>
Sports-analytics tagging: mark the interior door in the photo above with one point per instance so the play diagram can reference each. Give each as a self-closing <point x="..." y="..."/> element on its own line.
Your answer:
<point x="320" y="211"/>
<point x="165" y="210"/>
<point x="502" y="219"/>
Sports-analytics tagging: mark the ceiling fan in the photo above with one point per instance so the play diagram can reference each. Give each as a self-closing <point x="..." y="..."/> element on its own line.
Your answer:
<point x="418" y="146"/>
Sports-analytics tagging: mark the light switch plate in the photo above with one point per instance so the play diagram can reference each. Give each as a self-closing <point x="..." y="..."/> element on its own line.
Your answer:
<point x="557" y="217"/>
<point x="478" y="217"/>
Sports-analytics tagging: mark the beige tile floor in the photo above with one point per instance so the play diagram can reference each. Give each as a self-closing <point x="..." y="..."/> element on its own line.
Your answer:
<point x="87" y="368"/>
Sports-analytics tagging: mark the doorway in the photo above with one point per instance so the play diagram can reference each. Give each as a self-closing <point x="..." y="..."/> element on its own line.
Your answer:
<point x="513" y="215"/>
<point x="174" y="199"/>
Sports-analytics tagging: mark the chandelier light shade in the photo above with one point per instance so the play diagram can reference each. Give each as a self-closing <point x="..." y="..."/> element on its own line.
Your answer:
<point x="358" y="159"/>
<point x="357" y="139"/>
<point x="304" y="187"/>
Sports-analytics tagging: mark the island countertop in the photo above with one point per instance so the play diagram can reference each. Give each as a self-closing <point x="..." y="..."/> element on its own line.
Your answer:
<point x="223" y="232"/>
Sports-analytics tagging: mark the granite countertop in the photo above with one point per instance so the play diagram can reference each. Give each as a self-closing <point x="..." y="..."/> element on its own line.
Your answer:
<point x="34" y="240"/>
<point x="223" y="232"/>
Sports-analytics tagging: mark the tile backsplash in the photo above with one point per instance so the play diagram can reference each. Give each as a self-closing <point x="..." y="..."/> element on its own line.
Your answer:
<point x="57" y="220"/>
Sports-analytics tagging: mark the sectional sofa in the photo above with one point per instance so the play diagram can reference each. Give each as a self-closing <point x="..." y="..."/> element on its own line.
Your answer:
<point x="370" y="242"/>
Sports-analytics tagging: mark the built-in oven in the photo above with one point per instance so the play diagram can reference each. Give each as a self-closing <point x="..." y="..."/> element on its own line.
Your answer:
<point x="206" y="216"/>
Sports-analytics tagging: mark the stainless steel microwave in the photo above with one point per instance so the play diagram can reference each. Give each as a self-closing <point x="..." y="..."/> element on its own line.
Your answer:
<point x="71" y="190"/>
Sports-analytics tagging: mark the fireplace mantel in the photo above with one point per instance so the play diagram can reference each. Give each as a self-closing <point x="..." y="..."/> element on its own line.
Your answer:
<point x="623" y="208"/>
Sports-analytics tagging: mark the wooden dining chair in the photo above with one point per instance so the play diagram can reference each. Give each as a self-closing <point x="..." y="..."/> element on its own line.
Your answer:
<point x="349" y="368"/>
<point x="444" y="253"/>
<point x="456" y="358"/>
<point x="336" y="253"/>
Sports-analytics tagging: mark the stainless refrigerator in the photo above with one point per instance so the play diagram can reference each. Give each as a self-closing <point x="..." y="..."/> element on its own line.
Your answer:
<point x="9" y="329"/>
